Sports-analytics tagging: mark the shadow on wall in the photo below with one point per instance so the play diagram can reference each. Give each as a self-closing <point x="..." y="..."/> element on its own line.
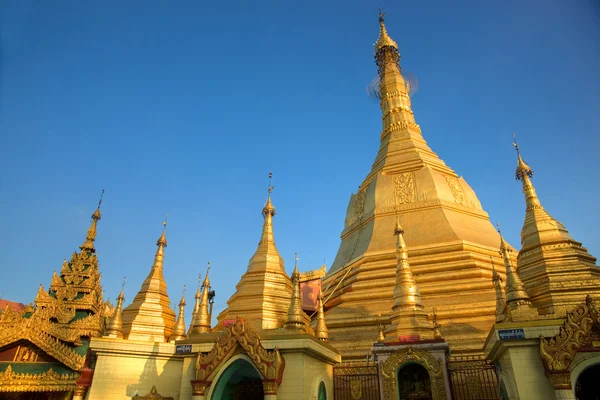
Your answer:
<point x="149" y="377"/>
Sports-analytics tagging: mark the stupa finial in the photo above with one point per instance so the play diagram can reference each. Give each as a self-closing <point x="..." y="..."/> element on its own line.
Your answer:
<point x="91" y="233"/>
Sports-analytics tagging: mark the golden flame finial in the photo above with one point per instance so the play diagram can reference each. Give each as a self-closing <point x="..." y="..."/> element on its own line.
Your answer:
<point x="384" y="39"/>
<point x="114" y="328"/>
<point x="201" y="322"/>
<point x="91" y="233"/>
<point x="522" y="168"/>
<point x="500" y="298"/>
<point x="179" y="328"/>
<point x="162" y="240"/>
<point x="206" y="282"/>
<point x="295" y="319"/>
<point x="321" y="331"/>
<point x="515" y="290"/>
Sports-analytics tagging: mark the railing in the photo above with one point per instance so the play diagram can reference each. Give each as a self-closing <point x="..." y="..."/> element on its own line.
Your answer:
<point x="473" y="378"/>
<point x="354" y="381"/>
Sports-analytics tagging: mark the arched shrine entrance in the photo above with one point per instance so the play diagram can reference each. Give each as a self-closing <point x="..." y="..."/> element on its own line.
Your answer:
<point x="413" y="382"/>
<point x="586" y="387"/>
<point x="238" y="367"/>
<point x="240" y="381"/>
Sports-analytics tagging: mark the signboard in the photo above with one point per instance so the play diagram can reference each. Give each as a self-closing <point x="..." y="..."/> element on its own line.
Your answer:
<point x="183" y="348"/>
<point x="508" y="334"/>
<point x="309" y="294"/>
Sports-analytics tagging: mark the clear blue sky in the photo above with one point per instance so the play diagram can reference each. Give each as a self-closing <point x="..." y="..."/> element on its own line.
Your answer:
<point x="184" y="109"/>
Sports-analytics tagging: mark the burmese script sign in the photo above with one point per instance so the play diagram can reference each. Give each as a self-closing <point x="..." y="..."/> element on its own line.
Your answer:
<point x="183" y="348"/>
<point x="507" y="334"/>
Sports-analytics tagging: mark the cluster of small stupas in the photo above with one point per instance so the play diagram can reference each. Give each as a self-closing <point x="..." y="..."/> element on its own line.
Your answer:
<point x="266" y="298"/>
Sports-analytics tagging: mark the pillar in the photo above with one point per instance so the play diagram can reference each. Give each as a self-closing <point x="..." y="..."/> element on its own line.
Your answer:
<point x="199" y="389"/>
<point x="561" y="382"/>
<point x="79" y="393"/>
<point x="270" y="389"/>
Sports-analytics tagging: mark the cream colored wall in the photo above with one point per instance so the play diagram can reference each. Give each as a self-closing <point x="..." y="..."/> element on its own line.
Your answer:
<point x="187" y="374"/>
<point x="302" y="375"/>
<point x="525" y="365"/>
<point x="120" y="376"/>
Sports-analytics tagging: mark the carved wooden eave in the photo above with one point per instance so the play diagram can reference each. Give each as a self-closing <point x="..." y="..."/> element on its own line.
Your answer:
<point x="239" y="338"/>
<point x="410" y="355"/>
<point x="54" y="339"/>
<point x="581" y="327"/>
<point x="313" y="274"/>
<point x="48" y="381"/>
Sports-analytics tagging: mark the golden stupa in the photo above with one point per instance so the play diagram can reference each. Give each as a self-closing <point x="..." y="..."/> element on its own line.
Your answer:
<point x="449" y="236"/>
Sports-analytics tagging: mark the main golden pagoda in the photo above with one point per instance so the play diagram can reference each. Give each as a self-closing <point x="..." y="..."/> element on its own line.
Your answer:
<point x="449" y="236"/>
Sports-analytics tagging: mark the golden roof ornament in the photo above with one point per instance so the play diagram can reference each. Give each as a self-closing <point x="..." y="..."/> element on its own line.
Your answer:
<point x="321" y="331"/>
<point x="201" y="322"/>
<point x="295" y="319"/>
<point x="88" y="245"/>
<point x="114" y="328"/>
<point x="500" y="298"/>
<point x="179" y="328"/>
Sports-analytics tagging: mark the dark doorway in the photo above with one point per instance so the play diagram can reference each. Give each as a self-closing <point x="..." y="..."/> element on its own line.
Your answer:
<point x="586" y="387"/>
<point x="240" y="381"/>
<point x="414" y="383"/>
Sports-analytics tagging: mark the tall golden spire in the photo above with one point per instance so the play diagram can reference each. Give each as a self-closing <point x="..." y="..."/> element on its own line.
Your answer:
<point x="408" y="315"/>
<point x="115" y="325"/>
<point x="264" y="291"/>
<point x="500" y="299"/>
<point x="150" y="317"/>
<point x="518" y="305"/>
<point x="547" y="251"/>
<point x="201" y="321"/>
<point x="295" y="319"/>
<point x="321" y="328"/>
<point x="179" y="329"/>
<point x="88" y="245"/>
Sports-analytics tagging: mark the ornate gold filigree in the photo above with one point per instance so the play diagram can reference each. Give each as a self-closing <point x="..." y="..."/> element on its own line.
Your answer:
<point x="269" y="363"/>
<point x="359" y="202"/>
<point x="358" y="370"/>
<point x="356" y="390"/>
<point x="404" y="191"/>
<point x="456" y="189"/>
<point x="48" y="381"/>
<point x="407" y="355"/>
<point x="559" y="351"/>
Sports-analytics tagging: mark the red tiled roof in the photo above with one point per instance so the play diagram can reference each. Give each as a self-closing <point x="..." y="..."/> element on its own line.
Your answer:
<point x="18" y="307"/>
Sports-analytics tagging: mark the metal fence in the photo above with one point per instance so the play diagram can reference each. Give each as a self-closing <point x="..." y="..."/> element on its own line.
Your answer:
<point x="473" y="378"/>
<point x="356" y="381"/>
